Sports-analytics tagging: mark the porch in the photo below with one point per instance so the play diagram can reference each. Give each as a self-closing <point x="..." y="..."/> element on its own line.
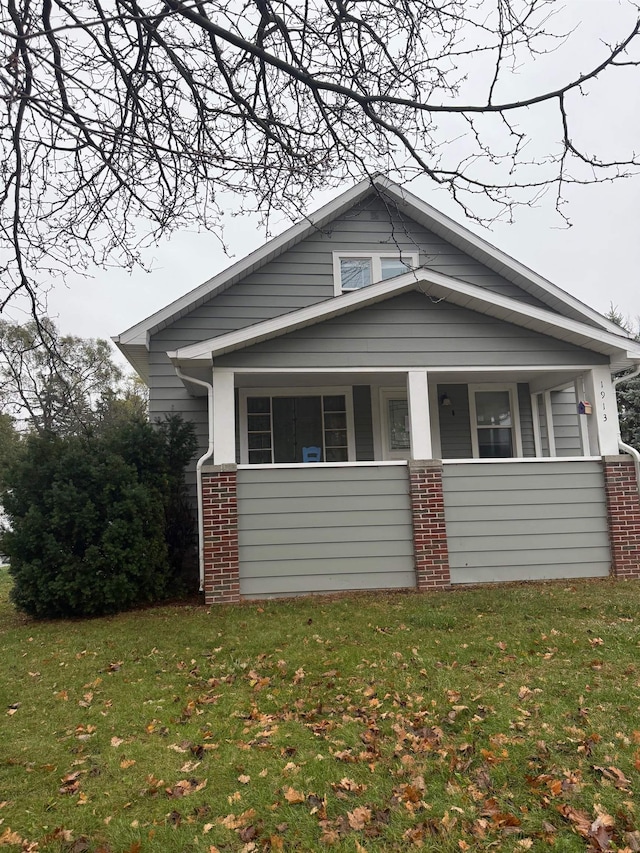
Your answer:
<point x="291" y="530"/>
<point x="420" y="479"/>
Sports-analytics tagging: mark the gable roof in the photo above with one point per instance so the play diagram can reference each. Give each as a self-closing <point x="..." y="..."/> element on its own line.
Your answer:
<point x="134" y="342"/>
<point x="622" y="351"/>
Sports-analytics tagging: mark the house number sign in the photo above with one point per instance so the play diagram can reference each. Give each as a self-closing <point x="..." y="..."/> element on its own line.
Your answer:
<point x="603" y="400"/>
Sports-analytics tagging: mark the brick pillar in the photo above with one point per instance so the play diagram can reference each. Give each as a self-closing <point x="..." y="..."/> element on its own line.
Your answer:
<point x="623" y="512"/>
<point x="429" y="532"/>
<point x="220" y="509"/>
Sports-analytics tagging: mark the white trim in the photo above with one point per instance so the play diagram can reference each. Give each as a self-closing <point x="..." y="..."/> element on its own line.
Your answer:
<point x="434" y="417"/>
<point x="224" y="422"/>
<point x="320" y="391"/>
<point x="582" y="419"/>
<point x="548" y="418"/>
<point x="512" y="389"/>
<point x="603" y="422"/>
<point x="432" y="284"/>
<point x="535" y="418"/>
<point x="411" y="259"/>
<point x="419" y="415"/>
<point x="528" y="459"/>
<point x="506" y="368"/>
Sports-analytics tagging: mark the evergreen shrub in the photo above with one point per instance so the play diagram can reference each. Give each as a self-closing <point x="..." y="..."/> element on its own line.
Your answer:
<point x="89" y="516"/>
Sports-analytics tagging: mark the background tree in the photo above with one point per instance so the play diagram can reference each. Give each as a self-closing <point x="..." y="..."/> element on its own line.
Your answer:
<point x="9" y="444"/>
<point x="128" y="120"/>
<point x="628" y="393"/>
<point x="53" y="383"/>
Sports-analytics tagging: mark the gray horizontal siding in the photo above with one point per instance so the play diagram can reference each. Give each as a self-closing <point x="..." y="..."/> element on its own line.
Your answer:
<point x="526" y="521"/>
<point x="305" y="530"/>
<point x="410" y="330"/>
<point x="566" y="427"/>
<point x="455" y="426"/>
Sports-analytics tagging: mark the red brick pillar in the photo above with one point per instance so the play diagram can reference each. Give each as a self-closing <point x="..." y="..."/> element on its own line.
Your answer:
<point x="429" y="531"/>
<point x="220" y="510"/>
<point x="623" y="511"/>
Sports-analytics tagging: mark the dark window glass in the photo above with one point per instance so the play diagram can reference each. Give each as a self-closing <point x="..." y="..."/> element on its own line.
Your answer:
<point x="258" y="405"/>
<point x="494" y="443"/>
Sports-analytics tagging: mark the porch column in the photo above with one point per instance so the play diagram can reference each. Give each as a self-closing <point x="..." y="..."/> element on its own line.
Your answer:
<point x="603" y="422"/>
<point x="220" y="511"/>
<point x="219" y="499"/>
<point x="430" y="548"/>
<point x="419" y="417"/>
<point x="224" y="427"/>
<point x="623" y="515"/>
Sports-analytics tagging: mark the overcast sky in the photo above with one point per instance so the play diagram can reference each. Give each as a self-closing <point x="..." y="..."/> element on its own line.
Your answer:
<point x="596" y="260"/>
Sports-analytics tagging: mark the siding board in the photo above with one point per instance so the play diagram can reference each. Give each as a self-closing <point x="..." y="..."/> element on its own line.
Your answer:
<point x="526" y="521"/>
<point x="305" y="530"/>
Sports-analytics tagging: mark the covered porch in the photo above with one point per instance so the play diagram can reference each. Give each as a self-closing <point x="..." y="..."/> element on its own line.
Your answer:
<point x="421" y="479"/>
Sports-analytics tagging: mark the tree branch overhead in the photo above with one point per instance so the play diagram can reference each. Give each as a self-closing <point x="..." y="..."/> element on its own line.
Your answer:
<point x="122" y="122"/>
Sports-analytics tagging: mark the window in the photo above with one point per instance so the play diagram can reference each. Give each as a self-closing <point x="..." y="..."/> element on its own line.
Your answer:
<point x="394" y="424"/>
<point x="495" y="428"/>
<point x="353" y="270"/>
<point x="289" y="427"/>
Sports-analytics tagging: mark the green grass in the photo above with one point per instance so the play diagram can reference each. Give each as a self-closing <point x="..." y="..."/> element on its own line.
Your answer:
<point x="485" y="719"/>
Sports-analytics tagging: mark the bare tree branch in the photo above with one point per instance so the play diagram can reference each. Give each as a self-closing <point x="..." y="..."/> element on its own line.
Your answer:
<point x="120" y="122"/>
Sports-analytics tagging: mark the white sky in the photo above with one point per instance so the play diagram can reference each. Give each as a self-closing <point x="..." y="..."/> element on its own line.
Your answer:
<point x="597" y="259"/>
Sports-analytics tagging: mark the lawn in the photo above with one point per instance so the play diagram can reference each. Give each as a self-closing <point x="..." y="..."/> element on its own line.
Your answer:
<point x="487" y="719"/>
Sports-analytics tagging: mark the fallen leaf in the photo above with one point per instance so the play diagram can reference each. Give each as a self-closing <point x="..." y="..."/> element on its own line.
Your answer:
<point x="244" y="780"/>
<point x="292" y="796"/>
<point x="116" y="741"/>
<point x="9" y="837"/>
<point x="185" y="787"/>
<point x="359" y="817"/>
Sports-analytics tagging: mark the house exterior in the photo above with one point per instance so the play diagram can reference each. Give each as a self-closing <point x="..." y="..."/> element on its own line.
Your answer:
<point x="385" y="400"/>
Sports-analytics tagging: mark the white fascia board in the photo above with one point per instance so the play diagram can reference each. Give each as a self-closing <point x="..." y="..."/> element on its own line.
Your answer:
<point x="431" y="284"/>
<point x="141" y="331"/>
<point x="479" y="248"/>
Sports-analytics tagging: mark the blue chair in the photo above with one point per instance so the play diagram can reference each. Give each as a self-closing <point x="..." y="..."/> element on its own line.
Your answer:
<point x="312" y="454"/>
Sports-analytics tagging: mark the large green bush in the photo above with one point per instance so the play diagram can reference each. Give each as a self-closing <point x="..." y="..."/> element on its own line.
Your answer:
<point x="89" y="517"/>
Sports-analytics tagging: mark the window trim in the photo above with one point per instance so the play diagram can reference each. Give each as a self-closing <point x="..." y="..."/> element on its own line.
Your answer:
<point x="512" y="389"/>
<point x="411" y="258"/>
<point x="295" y="391"/>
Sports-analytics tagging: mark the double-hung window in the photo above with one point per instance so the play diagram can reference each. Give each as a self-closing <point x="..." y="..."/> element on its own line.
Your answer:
<point x="355" y="270"/>
<point x="495" y="425"/>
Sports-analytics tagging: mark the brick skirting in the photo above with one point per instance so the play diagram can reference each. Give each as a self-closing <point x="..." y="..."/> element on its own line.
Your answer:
<point x="623" y="512"/>
<point x="220" y="510"/>
<point x="429" y="532"/>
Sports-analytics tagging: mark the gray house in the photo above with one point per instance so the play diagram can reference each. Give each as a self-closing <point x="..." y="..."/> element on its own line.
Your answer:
<point x="385" y="400"/>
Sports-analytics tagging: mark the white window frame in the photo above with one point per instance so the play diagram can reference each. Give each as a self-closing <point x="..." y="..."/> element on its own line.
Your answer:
<point x="410" y="258"/>
<point x="324" y="391"/>
<point x="516" y="433"/>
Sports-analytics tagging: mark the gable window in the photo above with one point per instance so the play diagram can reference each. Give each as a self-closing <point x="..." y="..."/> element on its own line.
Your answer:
<point x="495" y="426"/>
<point x="355" y="270"/>
<point x="289" y="427"/>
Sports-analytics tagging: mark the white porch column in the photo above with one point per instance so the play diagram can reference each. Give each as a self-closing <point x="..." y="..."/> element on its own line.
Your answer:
<point x="603" y="422"/>
<point x="224" y="427"/>
<point x="548" y="417"/>
<point x="419" y="417"/>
